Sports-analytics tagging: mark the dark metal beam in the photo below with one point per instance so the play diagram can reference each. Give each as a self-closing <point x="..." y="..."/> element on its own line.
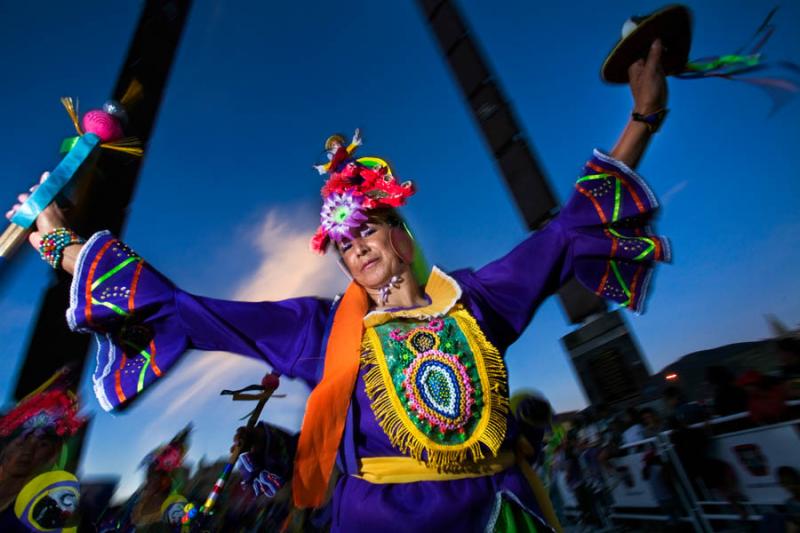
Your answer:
<point x="504" y="136"/>
<point x="104" y="195"/>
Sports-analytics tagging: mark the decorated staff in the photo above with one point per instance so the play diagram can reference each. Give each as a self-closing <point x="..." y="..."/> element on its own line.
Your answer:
<point x="260" y="393"/>
<point x="99" y="128"/>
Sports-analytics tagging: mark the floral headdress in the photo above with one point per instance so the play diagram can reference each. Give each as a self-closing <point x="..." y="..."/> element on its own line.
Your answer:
<point x="53" y="407"/>
<point x="169" y="457"/>
<point x="355" y="187"/>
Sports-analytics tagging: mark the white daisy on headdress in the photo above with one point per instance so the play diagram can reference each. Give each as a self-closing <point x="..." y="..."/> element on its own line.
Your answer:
<point x="342" y="213"/>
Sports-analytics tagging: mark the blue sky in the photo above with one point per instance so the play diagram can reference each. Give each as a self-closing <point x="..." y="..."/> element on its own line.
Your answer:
<point x="227" y="199"/>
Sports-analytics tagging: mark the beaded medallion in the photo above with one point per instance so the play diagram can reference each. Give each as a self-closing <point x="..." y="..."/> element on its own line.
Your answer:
<point x="437" y="387"/>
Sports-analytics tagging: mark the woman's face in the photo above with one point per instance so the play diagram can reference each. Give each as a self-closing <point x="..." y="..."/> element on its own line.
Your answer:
<point x="369" y="257"/>
<point x="29" y="453"/>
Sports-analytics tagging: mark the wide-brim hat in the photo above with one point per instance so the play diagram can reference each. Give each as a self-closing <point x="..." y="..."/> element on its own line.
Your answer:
<point x="671" y="24"/>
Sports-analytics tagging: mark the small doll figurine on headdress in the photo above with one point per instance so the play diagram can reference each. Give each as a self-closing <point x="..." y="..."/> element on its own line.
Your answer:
<point x="338" y="153"/>
<point x="355" y="186"/>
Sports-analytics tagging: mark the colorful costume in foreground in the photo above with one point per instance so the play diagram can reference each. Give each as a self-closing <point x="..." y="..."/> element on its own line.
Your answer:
<point x="47" y="501"/>
<point x="427" y="443"/>
<point x="163" y="465"/>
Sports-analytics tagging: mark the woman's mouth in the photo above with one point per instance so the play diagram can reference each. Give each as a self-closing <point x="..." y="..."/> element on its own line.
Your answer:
<point x="369" y="264"/>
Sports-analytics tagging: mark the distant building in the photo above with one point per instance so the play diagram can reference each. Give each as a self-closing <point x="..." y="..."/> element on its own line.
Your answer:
<point x="607" y="361"/>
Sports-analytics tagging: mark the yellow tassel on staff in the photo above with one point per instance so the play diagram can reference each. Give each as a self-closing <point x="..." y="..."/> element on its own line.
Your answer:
<point x="132" y="94"/>
<point x="72" y="111"/>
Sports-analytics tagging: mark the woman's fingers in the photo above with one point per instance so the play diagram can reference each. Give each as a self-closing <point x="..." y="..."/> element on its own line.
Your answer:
<point x="44" y="176"/>
<point x="35" y="238"/>
<point x="654" y="55"/>
<point x="635" y="69"/>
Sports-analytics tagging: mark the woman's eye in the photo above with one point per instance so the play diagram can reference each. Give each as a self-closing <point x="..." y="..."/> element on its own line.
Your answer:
<point x="346" y="246"/>
<point x="367" y="232"/>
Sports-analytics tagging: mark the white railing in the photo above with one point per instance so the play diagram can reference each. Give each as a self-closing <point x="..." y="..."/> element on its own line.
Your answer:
<point x="753" y="453"/>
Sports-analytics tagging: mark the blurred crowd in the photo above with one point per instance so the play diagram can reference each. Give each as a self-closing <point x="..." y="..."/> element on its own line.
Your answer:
<point x="674" y="436"/>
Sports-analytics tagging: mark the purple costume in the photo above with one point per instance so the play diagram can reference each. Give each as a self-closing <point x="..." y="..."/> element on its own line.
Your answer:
<point x="143" y="324"/>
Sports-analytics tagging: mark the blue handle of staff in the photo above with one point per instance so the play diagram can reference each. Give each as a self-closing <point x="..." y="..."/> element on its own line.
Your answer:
<point x="59" y="178"/>
<point x="78" y="157"/>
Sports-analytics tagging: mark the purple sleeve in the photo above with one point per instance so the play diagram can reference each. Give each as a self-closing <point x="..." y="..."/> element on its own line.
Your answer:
<point x="143" y="324"/>
<point x="601" y="236"/>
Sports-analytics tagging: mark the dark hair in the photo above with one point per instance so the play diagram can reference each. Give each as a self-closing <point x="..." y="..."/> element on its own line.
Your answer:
<point x="718" y="375"/>
<point x="673" y="393"/>
<point x="789" y="344"/>
<point x="788" y="473"/>
<point x="648" y="411"/>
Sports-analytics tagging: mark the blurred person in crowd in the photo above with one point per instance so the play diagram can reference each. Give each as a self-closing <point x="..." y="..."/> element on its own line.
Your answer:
<point x="693" y="448"/>
<point x="658" y="473"/>
<point x="789" y="353"/>
<point x="157" y="506"/>
<point x="787" y="520"/>
<point x="727" y="396"/>
<point x="590" y="438"/>
<point x="613" y="442"/>
<point x="652" y="424"/>
<point x="35" y="492"/>
<point x="576" y="479"/>
<point x="789" y="478"/>
<point x="266" y="469"/>
<point x="634" y="431"/>
<point x="534" y="417"/>
<point x="766" y="397"/>
<point x="551" y="464"/>
<point x="681" y="412"/>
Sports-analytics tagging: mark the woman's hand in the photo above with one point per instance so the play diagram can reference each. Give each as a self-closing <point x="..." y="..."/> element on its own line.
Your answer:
<point x="648" y="83"/>
<point x="250" y="440"/>
<point x="49" y="219"/>
<point x="649" y="88"/>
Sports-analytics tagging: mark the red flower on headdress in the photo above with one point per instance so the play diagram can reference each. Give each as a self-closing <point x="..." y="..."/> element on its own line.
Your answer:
<point x="52" y="407"/>
<point x="169" y="457"/>
<point x="368" y="179"/>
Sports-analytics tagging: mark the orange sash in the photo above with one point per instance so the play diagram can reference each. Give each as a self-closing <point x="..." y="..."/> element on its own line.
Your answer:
<point x="327" y="405"/>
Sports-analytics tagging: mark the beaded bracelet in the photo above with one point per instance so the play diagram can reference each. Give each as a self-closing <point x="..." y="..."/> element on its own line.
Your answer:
<point x="51" y="249"/>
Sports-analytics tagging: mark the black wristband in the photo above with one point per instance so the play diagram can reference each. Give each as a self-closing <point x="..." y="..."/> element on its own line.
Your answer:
<point x="652" y="121"/>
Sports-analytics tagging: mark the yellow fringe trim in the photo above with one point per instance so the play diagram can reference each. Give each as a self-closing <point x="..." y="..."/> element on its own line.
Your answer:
<point x="404" y="434"/>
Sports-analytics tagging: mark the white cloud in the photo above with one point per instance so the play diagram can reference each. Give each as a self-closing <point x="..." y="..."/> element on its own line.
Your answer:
<point x="667" y="197"/>
<point x="287" y="268"/>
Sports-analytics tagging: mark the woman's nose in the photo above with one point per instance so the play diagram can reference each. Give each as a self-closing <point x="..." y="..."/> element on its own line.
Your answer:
<point x="361" y="246"/>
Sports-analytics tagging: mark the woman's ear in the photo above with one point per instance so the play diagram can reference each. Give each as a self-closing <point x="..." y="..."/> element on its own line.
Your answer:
<point x="402" y="243"/>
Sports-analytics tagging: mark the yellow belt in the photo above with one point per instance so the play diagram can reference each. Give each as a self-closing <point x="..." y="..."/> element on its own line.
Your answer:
<point x="402" y="469"/>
